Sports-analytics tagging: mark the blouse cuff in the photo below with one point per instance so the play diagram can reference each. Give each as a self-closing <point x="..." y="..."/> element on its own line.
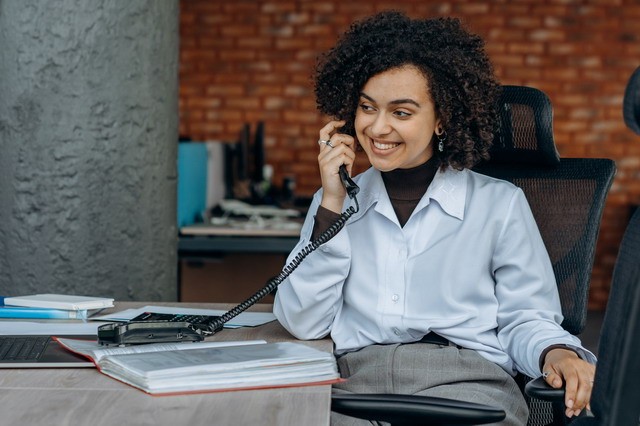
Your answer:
<point x="324" y="218"/>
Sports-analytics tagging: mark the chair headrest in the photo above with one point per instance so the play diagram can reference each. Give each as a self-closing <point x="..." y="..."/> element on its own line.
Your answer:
<point x="526" y="128"/>
<point x="631" y="104"/>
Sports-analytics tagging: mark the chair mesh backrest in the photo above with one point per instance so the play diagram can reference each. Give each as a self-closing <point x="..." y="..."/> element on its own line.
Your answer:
<point x="566" y="196"/>
<point x="526" y="128"/>
<point x="616" y="393"/>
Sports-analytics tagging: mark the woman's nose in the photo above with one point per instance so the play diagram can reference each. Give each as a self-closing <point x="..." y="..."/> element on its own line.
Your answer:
<point x="380" y="125"/>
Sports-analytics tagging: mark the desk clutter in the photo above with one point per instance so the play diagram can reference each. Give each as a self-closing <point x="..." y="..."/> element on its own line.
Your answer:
<point x="229" y="184"/>
<point x="164" y="368"/>
<point x="235" y="217"/>
<point x="169" y="369"/>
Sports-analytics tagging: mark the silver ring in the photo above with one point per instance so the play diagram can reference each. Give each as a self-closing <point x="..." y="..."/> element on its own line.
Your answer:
<point x="545" y="374"/>
<point x="323" y="141"/>
<point x="328" y="143"/>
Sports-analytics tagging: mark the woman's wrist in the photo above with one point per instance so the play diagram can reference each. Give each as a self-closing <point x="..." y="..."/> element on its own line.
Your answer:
<point x="543" y="355"/>
<point x="333" y="204"/>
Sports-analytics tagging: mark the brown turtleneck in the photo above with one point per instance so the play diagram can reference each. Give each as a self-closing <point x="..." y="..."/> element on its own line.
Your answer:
<point x="405" y="188"/>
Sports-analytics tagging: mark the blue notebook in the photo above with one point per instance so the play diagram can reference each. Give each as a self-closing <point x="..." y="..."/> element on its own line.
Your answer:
<point x="40" y="313"/>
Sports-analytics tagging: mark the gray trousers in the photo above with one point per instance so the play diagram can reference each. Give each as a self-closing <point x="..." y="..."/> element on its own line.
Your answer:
<point x="430" y="370"/>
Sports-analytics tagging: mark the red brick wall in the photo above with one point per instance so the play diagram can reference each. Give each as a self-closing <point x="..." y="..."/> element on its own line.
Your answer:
<point x="246" y="60"/>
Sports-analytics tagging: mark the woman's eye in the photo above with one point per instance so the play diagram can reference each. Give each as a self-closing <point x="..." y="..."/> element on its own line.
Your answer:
<point x="402" y="114"/>
<point x="366" y="107"/>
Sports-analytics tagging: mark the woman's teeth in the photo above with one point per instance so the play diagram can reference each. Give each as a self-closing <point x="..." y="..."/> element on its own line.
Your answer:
<point x="384" y="146"/>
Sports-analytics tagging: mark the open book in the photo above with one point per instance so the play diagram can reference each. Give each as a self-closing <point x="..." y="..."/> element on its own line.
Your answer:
<point x="171" y="368"/>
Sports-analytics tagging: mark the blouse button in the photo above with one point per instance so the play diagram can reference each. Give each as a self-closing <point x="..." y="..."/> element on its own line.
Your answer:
<point x="395" y="297"/>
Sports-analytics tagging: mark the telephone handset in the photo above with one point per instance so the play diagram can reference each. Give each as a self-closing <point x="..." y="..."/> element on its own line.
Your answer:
<point x="164" y="328"/>
<point x="347" y="182"/>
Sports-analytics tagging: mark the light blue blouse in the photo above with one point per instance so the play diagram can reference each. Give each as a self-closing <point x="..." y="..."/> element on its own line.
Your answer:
<point x="469" y="265"/>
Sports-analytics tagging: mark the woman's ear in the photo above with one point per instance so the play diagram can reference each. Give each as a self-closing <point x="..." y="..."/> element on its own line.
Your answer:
<point x="439" y="129"/>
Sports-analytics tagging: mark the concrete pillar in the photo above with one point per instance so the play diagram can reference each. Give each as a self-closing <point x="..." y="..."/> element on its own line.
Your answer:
<point x="88" y="142"/>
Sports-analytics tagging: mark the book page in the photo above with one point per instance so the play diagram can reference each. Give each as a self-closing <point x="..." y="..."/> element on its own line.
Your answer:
<point x="96" y="351"/>
<point x="169" y="363"/>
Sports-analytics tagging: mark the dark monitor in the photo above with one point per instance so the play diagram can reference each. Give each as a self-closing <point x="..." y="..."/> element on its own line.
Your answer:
<point x="258" y="153"/>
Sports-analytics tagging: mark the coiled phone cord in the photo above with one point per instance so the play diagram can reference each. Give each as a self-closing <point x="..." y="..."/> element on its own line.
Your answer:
<point x="287" y="270"/>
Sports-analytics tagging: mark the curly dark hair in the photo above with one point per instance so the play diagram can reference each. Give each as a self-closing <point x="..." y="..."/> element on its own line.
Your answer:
<point x="462" y="83"/>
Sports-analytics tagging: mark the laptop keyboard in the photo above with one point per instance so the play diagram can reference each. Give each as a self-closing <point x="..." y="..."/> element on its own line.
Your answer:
<point x="24" y="348"/>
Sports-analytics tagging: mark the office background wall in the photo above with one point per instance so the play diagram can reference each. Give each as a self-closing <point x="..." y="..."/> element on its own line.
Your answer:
<point x="88" y="132"/>
<point x="245" y="61"/>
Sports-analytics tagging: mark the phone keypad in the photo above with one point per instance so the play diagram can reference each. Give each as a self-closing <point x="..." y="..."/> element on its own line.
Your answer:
<point x="157" y="317"/>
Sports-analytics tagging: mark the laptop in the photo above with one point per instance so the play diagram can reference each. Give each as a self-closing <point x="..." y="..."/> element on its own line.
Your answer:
<point x="39" y="351"/>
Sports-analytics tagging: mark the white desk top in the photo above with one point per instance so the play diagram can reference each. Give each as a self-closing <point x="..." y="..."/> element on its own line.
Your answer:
<point x="85" y="397"/>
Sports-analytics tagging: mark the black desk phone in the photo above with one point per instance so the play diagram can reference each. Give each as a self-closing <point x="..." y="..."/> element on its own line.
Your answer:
<point x="151" y="327"/>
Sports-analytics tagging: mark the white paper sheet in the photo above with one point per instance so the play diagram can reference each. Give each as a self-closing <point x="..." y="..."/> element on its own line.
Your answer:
<point x="245" y="319"/>
<point x="49" y="328"/>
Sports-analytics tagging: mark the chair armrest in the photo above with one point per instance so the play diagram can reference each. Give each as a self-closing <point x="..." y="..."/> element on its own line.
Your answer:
<point x="538" y="388"/>
<point x="414" y="409"/>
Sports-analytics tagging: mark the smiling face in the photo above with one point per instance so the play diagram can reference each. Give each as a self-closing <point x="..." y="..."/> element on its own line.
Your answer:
<point x="396" y="119"/>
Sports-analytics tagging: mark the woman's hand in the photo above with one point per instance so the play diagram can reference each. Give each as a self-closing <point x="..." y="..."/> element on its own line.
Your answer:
<point x="562" y="366"/>
<point x="339" y="150"/>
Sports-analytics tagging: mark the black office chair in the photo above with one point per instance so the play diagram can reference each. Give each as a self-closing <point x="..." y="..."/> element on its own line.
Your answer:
<point x="567" y="197"/>
<point x="616" y="393"/>
<point x="615" y="399"/>
<point x="616" y="389"/>
<point x="631" y="104"/>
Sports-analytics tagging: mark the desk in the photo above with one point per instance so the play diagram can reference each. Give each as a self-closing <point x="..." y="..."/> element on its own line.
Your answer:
<point x="203" y="239"/>
<point x="83" y="396"/>
<point x="204" y="246"/>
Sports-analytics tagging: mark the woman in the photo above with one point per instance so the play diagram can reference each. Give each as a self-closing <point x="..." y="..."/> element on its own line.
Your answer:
<point x="440" y="284"/>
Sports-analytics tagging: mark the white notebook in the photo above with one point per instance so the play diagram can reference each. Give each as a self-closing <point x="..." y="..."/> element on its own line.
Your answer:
<point x="60" y="301"/>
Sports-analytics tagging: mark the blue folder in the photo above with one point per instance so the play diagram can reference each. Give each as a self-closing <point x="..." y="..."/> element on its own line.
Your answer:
<point x="192" y="182"/>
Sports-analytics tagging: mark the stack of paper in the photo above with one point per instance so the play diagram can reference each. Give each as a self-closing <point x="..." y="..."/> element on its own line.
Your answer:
<point x="208" y="366"/>
<point x="56" y="306"/>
